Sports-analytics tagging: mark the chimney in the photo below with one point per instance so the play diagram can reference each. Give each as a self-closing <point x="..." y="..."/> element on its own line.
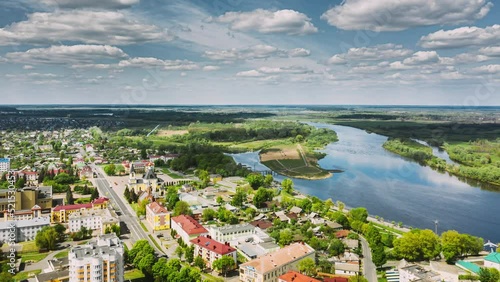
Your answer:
<point x="215" y="247"/>
<point x="198" y="240"/>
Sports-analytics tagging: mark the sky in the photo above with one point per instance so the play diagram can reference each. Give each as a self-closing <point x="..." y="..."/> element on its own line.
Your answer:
<point x="388" y="52"/>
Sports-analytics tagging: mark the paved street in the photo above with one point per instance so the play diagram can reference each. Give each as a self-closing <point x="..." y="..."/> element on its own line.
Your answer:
<point x="369" y="268"/>
<point x="127" y="215"/>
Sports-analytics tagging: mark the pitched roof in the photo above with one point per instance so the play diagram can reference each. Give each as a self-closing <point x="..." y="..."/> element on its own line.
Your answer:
<point x="157" y="208"/>
<point x="97" y="201"/>
<point x="279" y="258"/>
<point x="296" y="277"/>
<point x="189" y="224"/>
<point x="213" y="246"/>
<point x="493" y="257"/>
<point x="336" y="279"/>
<point x="262" y="224"/>
<point x="342" y="233"/>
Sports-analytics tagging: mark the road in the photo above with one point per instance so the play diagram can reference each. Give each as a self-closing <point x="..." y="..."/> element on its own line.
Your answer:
<point x="369" y="268"/>
<point x="126" y="216"/>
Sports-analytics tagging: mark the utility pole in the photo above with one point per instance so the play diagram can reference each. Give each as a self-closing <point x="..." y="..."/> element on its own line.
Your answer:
<point x="436" y="226"/>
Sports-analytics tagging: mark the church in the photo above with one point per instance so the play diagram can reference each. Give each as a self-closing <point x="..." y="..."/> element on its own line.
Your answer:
<point x="145" y="181"/>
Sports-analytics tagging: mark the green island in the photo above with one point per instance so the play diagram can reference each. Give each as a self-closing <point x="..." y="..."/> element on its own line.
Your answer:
<point x="477" y="160"/>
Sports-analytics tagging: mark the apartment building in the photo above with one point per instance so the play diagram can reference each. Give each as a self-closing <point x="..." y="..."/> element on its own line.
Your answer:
<point x="157" y="216"/>
<point x="210" y="250"/>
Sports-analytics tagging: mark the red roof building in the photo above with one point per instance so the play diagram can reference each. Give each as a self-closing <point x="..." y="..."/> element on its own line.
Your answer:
<point x="296" y="277"/>
<point x="61" y="213"/>
<point x="341" y="234"/>
<point x="187" y="228"/>
<point x="210" y="250"/>
<point x="336" y="279"/>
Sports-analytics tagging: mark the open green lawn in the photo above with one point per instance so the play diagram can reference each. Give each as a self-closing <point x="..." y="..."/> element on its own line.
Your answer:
<point x="254" y="145"/>
<point x="33" y="256"/>
<point x="154" y="241"/>
<point x="62" y="254"/>
<point x="170" y="173"/>
<point x="28" y="247"/>
<point x="23" y="275"/>
<point x="82" y="200"/>
<point x="135" y="275"/>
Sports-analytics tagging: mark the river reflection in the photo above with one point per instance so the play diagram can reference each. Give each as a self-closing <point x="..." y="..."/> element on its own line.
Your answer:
<point x="395" y="188"/>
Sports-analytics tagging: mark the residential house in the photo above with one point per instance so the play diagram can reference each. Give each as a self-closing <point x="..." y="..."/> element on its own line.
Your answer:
<point x="86" y="172"/>
<point x="93" y="219"/>
<point x="269" y="267"/>
<point x="231" y="232"/>
<point x="347" y="268"/>
<point x="210" y="250"/>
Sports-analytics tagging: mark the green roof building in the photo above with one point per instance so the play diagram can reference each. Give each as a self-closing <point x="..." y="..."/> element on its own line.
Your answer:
<point x="492" y="260"/>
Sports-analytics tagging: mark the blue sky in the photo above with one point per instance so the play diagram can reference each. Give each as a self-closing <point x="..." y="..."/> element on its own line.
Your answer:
<point x="405" y="52"/>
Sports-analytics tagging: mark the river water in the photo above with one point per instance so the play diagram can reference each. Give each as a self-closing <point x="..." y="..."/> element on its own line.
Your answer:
<point x="395" y="188"/>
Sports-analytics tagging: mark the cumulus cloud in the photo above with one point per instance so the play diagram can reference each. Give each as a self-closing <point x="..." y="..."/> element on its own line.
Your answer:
<point x="250" y="73"/>
<point x="373" y="53"/>
<point x="282" y="21"/>
<point x="493" y="51"/>
<point x="91" y="27"/>
<point x="66" y="54"/>
<point x="148" y="62"/>
<point x="462" y="37"/>
<point x="422" y="57"/>
<point x="103" y="4"/>
<point x="488" y="69"/>
<point x="299" y="52"/>
<point x="211" y="68"/>
<point x="255" y="52"/>
<point x="395" y="15"/>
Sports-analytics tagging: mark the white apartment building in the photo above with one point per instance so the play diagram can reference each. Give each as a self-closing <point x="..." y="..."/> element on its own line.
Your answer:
<point x="101" y="260"/>
<point x="91" y="219"/>
<point x="4" y="165"/>
<point x="232" y="232"/>
<point x="22" y="230"/>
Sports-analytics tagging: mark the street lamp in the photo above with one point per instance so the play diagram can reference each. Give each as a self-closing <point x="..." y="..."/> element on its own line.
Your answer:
<point x="436" y="226"/>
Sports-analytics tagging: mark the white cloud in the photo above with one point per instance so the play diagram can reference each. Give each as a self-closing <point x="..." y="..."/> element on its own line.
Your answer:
<point x="452" y="75"/>
<point x="91" y="27"/>
<point x="422" y="57"/>
<point x="211" y="68"/>
<point x="259" y="51"/>
<point x="299" y="52"/>
<point x="105" y="4"/>
<point x="143" y="62"/>
<point x="250" y="73"/>
<point x="282" y="21"/>
<point x="276" y="70"/>
<point x="66" y="54"/>
<point x="28" y="67"/>
<point x="489" y="69"/>
<point x="254" y="52"/>
<point x="493" y="51"/>
<point x="394" y="15"/>
<point x="462" y="37"/>
<point x="94" y="66"/>
<point x="373" y="53"/>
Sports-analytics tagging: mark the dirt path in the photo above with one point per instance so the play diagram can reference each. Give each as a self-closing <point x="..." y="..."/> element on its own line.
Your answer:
<point x="302" y="155"/>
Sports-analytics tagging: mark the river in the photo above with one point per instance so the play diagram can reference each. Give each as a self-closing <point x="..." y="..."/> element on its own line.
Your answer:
<point x="395" y="188"/>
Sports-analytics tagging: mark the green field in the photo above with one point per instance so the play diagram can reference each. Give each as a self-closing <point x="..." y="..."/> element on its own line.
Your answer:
<point x="134" y="275"/>
<point x="61" y="255"/>
<point x="33" y="256"/>
<point x="21" y="276"/>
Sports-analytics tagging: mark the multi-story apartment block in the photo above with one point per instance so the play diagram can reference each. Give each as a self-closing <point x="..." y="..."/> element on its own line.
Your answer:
<point x="101" y="260"/>
<point x="210" y="250"/>
<point x="4" y="165"/>
<point x="187" y="228"/>
<point x="60" y="214"/>
<point x="157" y="216"/>
<point x="99" y="220"/>
<point x="22" y="230"/>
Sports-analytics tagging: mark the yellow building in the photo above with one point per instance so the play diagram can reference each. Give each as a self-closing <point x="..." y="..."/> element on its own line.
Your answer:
<point x="27" y="198"/>
<point x="157" y="216"/>
<point x="60" y="214"/>
<point x="142" y="183"/>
